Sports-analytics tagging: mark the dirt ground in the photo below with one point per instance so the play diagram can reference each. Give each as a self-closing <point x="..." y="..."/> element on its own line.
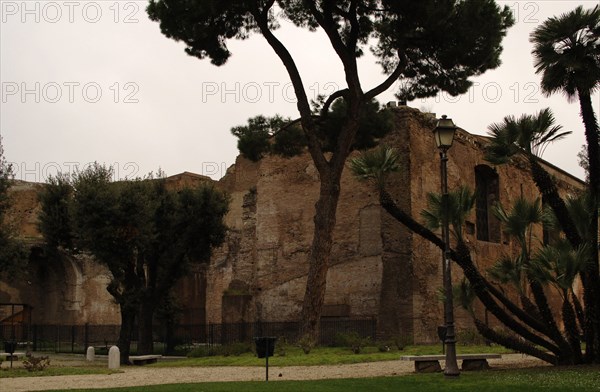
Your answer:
<point x="137" y="376"/>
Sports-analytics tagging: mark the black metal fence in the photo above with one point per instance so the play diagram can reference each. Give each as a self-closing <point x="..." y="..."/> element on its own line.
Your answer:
<point x="76" y="338"/>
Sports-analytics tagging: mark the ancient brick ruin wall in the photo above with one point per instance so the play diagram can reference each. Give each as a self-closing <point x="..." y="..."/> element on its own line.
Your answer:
<point x="378" y="268"/>
<point x="272" y="220"/>
<point x="466" y="153"/>
<point x="72" y="290"/>
<point x="67" y="291"/>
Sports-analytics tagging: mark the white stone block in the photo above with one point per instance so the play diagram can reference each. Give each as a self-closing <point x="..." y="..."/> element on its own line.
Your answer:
<point x="90" y="354"/>
<point x="114" y="358"/>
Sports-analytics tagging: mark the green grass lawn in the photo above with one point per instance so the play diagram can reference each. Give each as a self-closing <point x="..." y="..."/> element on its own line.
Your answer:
<point x="55" y="371"/>
<point x="324" y="356"/>
<point x="293" y="357"/>
<point x="580" y="378"/>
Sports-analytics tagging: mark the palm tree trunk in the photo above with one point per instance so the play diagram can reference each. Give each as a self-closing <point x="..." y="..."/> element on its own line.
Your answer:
<point x="550" y="194"/>
<point x="481" y="287"/>
<point x="591" y="278"/>
<point x="570" y="323"/>
<point x="529" y="307"/>
<point x="513" y="343"/>
<point x="567" y="355"/>
<point x="578" y="310"/>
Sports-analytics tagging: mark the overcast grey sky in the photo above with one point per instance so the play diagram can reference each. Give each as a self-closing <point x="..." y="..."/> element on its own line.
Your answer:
<point x="86" y="81"/>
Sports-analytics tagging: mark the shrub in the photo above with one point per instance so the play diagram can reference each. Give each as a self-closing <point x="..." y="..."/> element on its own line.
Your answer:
<point x="352" y="340"/>
<point x="202" y="351"/>
<point x="306" y="344"/>
<point x="34" y="364"/>
<point x="385" y="346"/>
<point x="236" y="349"/>
<point x="402" y="341"/>
<point x="470" y="336"/>
<point x="280" y="348"/>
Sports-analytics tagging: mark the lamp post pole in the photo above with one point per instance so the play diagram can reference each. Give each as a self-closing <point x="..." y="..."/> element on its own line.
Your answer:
<point x="444" y="135"/>
<point x="451" y="368"/>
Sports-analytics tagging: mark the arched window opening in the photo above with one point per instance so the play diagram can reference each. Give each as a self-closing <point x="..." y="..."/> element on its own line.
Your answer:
<point x="488" y="193"/>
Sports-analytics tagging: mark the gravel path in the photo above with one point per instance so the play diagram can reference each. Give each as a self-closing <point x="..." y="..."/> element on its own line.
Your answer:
<point x="137" y="376"/>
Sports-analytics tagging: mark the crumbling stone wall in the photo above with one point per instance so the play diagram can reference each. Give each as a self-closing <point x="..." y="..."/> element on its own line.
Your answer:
<point x="378" y="268"/>
<point x="275" y="229"/>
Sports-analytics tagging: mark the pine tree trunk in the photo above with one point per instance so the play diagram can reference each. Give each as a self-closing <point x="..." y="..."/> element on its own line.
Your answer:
<point x="324" y="220"/>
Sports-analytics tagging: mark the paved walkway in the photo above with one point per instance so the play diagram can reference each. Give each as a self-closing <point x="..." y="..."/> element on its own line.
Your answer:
<point x="138" y="376"/>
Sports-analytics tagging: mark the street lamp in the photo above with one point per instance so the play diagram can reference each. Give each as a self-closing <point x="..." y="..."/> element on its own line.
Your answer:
<point x="444" y="135"/>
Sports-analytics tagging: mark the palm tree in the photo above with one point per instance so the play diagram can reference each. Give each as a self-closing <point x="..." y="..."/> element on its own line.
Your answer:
<point x="559" y="265"/>
<point x="567" y="54"/>
<point x="375" y="166"/>
<point x="530" y="135"/>
<point x="460" y="204"/>
<point x="517" y="223"/>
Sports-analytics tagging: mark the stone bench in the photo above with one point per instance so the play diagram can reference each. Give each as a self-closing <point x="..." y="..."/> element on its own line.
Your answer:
<point x="430" y="363"/>
<point x="15" y="356"/>
<point x="101" y="349"/>
<point x="144" y="359"/>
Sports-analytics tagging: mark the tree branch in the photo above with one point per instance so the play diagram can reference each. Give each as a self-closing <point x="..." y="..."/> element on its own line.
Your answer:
<point x="314" y="146"/>
<point x="288" y="125"/>
<point x="330" y="99"/>
<point x="346" y="53"/>
<point x="389" y="81"/>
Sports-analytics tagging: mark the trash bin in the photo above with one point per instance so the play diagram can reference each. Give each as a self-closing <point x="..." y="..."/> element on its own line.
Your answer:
<point x="442" y="330"/>
<point x="9" y="347"/>
<point x="265" y="345"/>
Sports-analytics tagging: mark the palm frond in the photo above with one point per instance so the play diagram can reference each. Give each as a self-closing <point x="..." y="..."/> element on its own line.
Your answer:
<point x="566" y="52"/>
<point x="464" y="295"/>
<point x="559" y="264"/>
<point x="506" y="270"/>
<point x="460" y="203"/>
<point x="530" y="134"/>
<point x="375" y="165"/>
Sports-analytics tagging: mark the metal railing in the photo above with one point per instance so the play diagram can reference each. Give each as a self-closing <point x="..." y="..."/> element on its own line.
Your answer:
<point x="76" y="338"/>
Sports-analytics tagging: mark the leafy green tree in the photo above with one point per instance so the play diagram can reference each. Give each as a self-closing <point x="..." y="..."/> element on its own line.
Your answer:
<point x="253" y="138"/>
<point x="187" y="225"/>
<point x="430" y="45"/>
<point x="54" y="220"/>
<point x="112" y="222"/>
<point x="567" y="55"/>
<point x="13" y="255"/>
<point x="146" y="235"/>
<point x="283" y="136"/>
